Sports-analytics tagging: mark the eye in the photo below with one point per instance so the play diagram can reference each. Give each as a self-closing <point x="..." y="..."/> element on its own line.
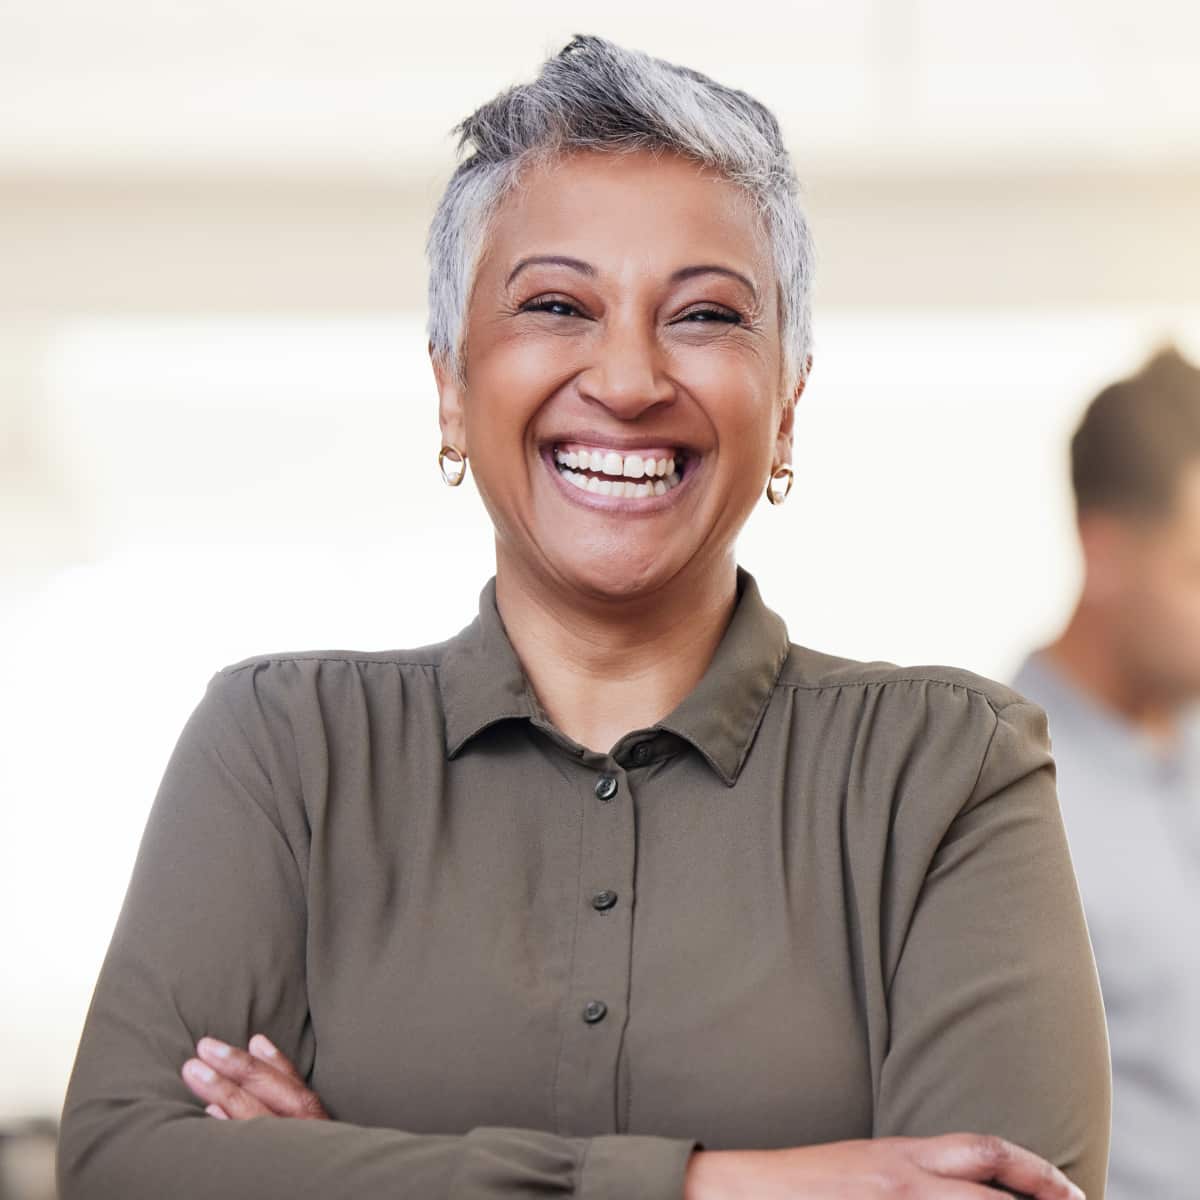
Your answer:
<point x="704" y="316"/>
<point x="554" y="305"/>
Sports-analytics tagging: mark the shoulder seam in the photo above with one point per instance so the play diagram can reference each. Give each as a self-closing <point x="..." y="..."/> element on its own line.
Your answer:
<point x="966" y="687"/>
<point x="260" y="661"/>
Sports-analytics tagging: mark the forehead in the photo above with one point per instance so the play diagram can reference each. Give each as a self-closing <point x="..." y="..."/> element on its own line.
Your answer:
<point x="628" y="211"/>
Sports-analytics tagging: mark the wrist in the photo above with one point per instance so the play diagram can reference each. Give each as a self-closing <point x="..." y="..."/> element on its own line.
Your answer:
<point x="698" y="1177"/>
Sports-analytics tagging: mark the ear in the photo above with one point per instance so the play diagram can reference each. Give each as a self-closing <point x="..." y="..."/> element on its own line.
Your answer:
<point x="1107" y="542"/>
<point x="451" y="414"/>
<point x="787" y="419"/>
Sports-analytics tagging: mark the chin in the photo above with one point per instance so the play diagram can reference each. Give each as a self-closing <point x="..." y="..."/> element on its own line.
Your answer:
<point x="616" y="576"/>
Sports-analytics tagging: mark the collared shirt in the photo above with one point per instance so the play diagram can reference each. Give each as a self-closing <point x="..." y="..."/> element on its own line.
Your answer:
<point x="822" y="899"/>
<point x="1132" y="813"/>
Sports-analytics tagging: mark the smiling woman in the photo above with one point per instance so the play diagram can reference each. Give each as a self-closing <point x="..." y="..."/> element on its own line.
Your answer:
<point x="618" y="892"/>
<point x="616" y="315"/>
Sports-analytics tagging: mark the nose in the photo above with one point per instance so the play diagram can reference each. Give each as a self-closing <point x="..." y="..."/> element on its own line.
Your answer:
<point x="626" y="373"/>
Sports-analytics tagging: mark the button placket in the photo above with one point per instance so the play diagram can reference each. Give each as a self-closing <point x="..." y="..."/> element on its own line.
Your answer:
<point x="586" y="1091"/>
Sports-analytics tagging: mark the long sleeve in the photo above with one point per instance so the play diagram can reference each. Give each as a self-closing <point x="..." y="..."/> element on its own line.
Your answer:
<point x="211" y="939"/>
<point x="997" y="1024"/>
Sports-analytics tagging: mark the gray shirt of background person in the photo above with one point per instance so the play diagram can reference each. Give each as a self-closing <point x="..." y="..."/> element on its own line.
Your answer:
<point x="1132" y="813"/>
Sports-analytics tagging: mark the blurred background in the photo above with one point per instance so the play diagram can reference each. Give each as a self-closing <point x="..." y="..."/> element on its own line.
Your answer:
<point x="218" y="423"/>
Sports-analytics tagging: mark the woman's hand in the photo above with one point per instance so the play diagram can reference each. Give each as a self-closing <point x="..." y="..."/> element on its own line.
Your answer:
<point x="955" y="1166"/>
<point x="237" y="1085"/>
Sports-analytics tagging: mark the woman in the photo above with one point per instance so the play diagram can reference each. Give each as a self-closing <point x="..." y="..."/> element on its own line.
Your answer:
<point x="617" y="892"/>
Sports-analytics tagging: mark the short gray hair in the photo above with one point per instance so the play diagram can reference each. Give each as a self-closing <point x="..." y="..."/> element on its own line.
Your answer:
<point x="595" y="95"/>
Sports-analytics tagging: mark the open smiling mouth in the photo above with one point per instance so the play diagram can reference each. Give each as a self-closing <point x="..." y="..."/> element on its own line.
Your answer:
<point x="653" y="471"/>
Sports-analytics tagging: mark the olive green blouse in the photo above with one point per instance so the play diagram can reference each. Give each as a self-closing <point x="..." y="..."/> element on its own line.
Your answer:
<point x="822" y="899"/>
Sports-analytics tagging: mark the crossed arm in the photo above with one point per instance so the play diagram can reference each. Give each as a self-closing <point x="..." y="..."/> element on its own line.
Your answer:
<point x="261" y="1082"/>
<point x="132" y="1128"/>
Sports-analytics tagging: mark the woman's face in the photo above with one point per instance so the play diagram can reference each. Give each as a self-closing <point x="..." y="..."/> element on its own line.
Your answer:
<point x="624" y="401"/>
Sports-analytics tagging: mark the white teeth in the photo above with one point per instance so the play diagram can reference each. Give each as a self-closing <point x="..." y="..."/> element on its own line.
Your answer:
<point x="624" y="488"/>
<point x="609" y="462"/>
<point x="574" y="463"/>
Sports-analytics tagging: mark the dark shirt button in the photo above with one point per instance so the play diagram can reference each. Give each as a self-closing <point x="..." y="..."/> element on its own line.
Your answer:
<point x="641" y="754"/>
<point x="602" y="901"/>
<point x="594" y="1011"/>
<point x="606" y="787"/>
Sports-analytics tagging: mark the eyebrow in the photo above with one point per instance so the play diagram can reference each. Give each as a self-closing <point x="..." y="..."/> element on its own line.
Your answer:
<point x="713" y="269"/>
<point x="585" y="268"/>
<point x="555" y="260"/>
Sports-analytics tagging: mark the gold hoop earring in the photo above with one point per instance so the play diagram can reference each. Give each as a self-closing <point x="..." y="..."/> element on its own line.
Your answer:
<point x="458" y="462"/>
<point x="774" y="493"/>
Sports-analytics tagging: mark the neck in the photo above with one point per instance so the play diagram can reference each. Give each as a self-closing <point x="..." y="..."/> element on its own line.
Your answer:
<point x="1088" y="654"/>
<point x="601" y="667"/>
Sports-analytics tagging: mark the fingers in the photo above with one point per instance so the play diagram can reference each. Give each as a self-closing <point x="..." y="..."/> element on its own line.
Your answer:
<point x="261" y="1047"/>
<point x="951" y="1189"/>
<point x="245" y="1085"/>
<point x="956" y="1189"/>
<point x="985" y="1159"/>
<point x="281" y="1091"/>
<point x="218" y="1091"/>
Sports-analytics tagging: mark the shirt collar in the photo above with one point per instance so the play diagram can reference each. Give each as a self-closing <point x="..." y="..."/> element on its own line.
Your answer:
<point x="482" y="682"/>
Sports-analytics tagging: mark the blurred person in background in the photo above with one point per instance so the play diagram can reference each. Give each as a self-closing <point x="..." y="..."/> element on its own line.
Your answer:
<point x="618" y="892"/>
<point x="1120" y="685"/>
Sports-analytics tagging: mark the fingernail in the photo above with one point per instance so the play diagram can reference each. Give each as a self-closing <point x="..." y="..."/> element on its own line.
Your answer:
<point x="200" y="1071"/>
<point x="264" y="1045"/>
<point x="211" y="1045"/>
<point x="215" y="1110"/>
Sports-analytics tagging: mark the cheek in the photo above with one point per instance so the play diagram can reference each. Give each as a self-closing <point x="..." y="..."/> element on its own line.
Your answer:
<point x="525" y="368"/>
<point x="745" y="420"/>
<point x="504" y="393"/>
<point x="1179" y="608"/>
<point x="1164" y="611"/>
<point x="737" y="389"/>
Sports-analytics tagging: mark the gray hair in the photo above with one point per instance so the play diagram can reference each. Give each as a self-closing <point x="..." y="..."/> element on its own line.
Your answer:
<point x="594" y="95"/>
